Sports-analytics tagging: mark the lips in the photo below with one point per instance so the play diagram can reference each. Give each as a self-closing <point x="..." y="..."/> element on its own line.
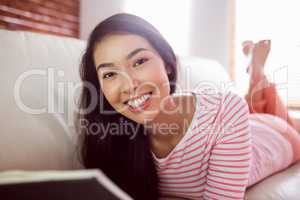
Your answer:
<point x="141" y="106"/>
<point x="126" y="102"/>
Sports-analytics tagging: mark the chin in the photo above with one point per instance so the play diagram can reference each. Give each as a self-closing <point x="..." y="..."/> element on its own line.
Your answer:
<point x="142" y="119"/>
<point x="141" y="116"/>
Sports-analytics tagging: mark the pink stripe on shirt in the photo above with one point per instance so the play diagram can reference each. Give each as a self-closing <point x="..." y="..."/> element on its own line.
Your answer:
<point x="212" y="159"/>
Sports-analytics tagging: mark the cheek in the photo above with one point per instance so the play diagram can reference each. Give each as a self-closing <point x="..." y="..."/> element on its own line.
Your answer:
<point x="110" y="93"/>
<point x="155" y="73"/>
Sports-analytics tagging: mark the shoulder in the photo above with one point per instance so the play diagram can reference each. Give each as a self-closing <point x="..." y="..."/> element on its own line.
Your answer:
<point x="233" y="105"/>
<point x="221" y="107"/>
<point x="214" y="97"/>
<point x="208" y="96"/>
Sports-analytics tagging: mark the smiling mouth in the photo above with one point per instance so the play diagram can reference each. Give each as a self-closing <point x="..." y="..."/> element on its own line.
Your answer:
<point x="140" y="103"/>
<point x="150" y="93"/>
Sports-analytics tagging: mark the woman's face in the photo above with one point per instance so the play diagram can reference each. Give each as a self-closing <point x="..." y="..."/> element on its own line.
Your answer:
<point x="132" y="76"/>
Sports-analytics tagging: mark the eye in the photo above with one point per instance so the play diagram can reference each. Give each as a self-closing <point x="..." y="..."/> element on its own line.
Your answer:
<point x="108" y="75"/>
<point x="140" y="61"/>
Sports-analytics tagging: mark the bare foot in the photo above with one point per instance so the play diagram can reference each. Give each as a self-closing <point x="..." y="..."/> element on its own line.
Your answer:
<point x="247" y="47"/>
<point x="247" y="50"/>
<point x="259" y="53"/>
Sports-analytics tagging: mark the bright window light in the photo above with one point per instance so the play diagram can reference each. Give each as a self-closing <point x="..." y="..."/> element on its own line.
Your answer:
<point x="278" y="21"/>
<point x="171" y="18"/>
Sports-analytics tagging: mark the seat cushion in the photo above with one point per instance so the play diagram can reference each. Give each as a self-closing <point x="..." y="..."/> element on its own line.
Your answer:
<point x="280" y="186"/>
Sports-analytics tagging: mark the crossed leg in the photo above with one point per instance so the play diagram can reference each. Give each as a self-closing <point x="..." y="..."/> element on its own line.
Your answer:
<point x="262" y="96"/>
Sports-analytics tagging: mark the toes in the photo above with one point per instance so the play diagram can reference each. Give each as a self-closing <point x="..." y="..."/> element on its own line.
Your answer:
<point x="247" y="46"/>
<point x="266" y="43"/>
<point x="247" y="42"/>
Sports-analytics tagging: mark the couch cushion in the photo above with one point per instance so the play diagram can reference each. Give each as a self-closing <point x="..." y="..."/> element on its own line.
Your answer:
<point x="282" y="185"/>
<point x="195" y="72"/>
<point x="36" y="72"/>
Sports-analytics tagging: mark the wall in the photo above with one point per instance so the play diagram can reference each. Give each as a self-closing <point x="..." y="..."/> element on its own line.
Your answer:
<point x="210" y="34"/>
<point x="45" y="16"/>
<point x="94" y="11"/>
<point x="209" y="27"/>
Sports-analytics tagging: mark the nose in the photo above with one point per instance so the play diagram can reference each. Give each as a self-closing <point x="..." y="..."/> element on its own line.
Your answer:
<point x="130" y="84"/>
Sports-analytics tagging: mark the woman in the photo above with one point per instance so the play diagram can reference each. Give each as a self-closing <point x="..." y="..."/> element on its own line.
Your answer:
<point x="195" y="145"/>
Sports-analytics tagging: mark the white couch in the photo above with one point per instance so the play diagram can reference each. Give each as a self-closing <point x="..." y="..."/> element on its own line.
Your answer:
<point x="39" y="74"/>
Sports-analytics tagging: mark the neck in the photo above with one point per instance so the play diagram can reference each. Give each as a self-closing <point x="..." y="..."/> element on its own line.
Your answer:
<point x="168" y="122"/>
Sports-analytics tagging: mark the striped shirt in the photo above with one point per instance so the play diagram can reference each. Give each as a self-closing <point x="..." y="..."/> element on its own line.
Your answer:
<point x="212" y="159"/>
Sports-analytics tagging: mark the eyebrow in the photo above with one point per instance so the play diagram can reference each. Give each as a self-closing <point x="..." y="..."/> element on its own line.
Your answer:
<point x="130" y="55"/>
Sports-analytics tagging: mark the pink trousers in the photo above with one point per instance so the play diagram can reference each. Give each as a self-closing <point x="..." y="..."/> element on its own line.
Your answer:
<point x="269" y="118"/>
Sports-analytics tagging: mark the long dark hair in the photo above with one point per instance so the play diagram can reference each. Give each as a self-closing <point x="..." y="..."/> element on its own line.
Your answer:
<point x="128" y="162"/>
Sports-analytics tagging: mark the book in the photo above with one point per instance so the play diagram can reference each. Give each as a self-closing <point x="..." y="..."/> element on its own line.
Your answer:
<point x="88" y="184"/>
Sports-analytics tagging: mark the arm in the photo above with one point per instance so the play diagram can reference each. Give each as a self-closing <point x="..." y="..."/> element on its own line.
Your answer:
<point x="229" y="163"/>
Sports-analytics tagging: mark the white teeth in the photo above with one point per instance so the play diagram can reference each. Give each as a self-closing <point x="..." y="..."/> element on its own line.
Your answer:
<point x="137" y="102"/>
